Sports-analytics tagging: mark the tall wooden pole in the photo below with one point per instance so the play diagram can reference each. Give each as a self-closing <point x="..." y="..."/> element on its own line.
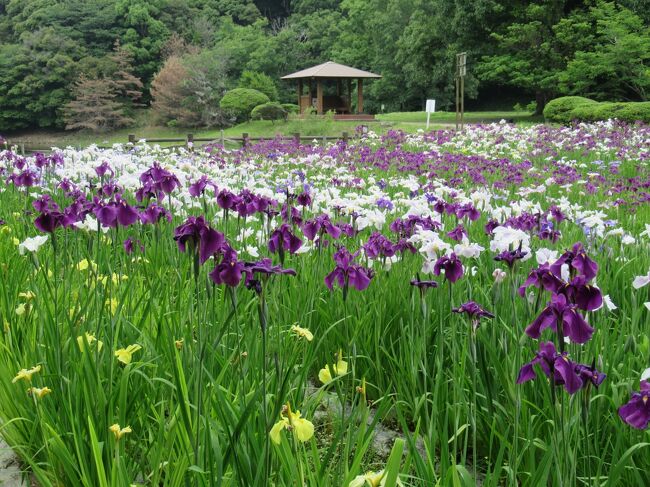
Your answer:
<point x="360" y="95"/>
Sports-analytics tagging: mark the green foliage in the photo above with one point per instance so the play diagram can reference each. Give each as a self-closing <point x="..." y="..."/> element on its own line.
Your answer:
<point x="560" y="110"/>
<point x="614" y="60"/>
<point x="568" y="109"/>
<point x="627" y="112"/>
<point x="597" y="49"/>
<point x="269" y="111"/>
<point x="241" y="101"/>
<point x="291" y="107"/>
<point x="260" y="82"/>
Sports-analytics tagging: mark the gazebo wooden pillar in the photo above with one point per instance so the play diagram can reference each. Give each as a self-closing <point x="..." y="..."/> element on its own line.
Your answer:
<point x="360" y="95"/>
<point x="340" y="103"/>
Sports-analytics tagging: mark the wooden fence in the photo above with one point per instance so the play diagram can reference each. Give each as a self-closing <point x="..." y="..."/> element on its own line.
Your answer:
<point x="190" y="140"/>
<point x="245" y="139"/>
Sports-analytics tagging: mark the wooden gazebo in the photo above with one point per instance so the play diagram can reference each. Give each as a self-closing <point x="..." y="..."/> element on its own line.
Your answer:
<point x="316" y="78"/>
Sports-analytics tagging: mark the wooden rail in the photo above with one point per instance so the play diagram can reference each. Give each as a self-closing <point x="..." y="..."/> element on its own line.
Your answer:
<point x="245" y="139"/>
<point x="188" y="142"/>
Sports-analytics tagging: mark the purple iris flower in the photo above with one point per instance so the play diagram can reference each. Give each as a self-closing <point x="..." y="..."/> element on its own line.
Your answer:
<point x="196" y="232"/>
<point x="197" y="188"/>
<point x="557" y="214"/>
<point x="129" y="245"/>
<point x="265" y="267"/>
<point x="585" y="296"/>
<point x="26" y="178"/>
<point x="577" y="260"/>
<point x="126" y="214"/>
<point x="553" y="364"/>
<point x="104" y="168"/>
<point x="468" y="210"/>
<point x="490" y="226"/>
<point x="457" y="233"/>
<point x="321" y="224"/>
<point x="547" y="232"/>
<point x="379" y="246"/>
<point x="589" y="374"/>
<point x="304" y="199"/>
<point x="422" y="285"/>
<point x="511" y="256"/>
<point x="560" y="312"/>
<point x="291" y="215"/>
<point x="385" y="204"/>
<point x="227" y="200"/>
<point x="473" y="309"/>
<point x="452" y="266"/>
<point x="346" y="273"/>
<point x="159" y="179"/>
<point x="283" y="239"/>
<point x="636" y="412"/>
<point x="153" y="213"/>
<point x="229" y="270"/>
<point x="542" y="277"/>
<point x="49" y="221"/>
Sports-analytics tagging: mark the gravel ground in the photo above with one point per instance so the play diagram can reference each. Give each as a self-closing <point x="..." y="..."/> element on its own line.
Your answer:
<point x="10" y="474"/>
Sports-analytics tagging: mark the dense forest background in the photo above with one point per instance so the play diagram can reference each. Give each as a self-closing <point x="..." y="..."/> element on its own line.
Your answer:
<point x="54" y="53"/>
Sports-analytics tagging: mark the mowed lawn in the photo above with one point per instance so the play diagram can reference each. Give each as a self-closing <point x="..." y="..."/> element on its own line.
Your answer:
<point x="406" y="121"/>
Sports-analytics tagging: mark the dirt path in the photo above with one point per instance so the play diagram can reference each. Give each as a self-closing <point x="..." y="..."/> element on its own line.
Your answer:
<point x="10" y="475"/>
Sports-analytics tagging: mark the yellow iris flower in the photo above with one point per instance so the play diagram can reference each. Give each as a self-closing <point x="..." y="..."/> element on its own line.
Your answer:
<point x="27" y="296"/>
<point x="291" y="421"/>
<point x="119" y="432"/>
<point x="112" y="305"/>
<point x="90" y="339"/>
<point x="39" y="392"/>
<point x="302" y="333"/>
<point x="125" y="355"/>
<point x="26" y="374"/>
<point x="86" y="264"/>
<point x="21" y="309"/>
<point x="371" y="479"/>
<point x="340" y="368"/>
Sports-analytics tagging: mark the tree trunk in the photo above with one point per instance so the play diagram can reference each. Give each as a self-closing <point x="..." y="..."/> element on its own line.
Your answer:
<point x="541" y="98"/>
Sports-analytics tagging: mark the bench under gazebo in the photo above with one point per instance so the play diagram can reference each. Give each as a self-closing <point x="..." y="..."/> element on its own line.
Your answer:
<point x="337" y="80"/>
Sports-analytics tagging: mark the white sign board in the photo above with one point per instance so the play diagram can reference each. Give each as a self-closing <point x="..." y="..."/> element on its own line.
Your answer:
<point x="431" y="108"/>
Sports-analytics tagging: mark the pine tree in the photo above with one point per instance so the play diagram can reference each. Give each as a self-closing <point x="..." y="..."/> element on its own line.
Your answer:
<point x="126" y="85"/>
<point x="95" y="106"/>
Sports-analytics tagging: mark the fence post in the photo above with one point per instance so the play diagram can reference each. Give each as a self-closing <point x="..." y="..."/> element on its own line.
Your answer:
<point x="190" y="141"/>
<point x="244" y="139"/>
<point x="22" y="149"/>
<point x="131" y="138"/>
<point x="296" y="138"/>
<point x="345" y="137"/>
<point x="223" y="141"/>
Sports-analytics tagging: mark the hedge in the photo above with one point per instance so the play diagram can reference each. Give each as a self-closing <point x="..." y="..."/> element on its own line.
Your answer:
<point x="560" y="110"/>
<point x="569" y="109"/>
<point x="269" y="111"/>
<point x="291" y="107"/>
<point x="241" y="101"/>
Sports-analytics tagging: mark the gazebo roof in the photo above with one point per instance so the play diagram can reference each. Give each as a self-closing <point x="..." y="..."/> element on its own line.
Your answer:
<point x="331" y="70"/>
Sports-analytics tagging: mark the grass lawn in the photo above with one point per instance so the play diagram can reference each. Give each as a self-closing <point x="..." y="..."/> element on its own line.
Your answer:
<point x="407" y="121"/>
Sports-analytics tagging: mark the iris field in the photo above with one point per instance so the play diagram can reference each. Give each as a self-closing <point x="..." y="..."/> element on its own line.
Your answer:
<point x="260" y="317"/>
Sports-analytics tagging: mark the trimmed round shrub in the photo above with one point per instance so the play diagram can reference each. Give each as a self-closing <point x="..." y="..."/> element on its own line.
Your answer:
<point x="624" y="111"/>
<point x="269" y="111"/>
<point x="291" y="107"/>
<point x="560" y="110"/>
<point x="240" y="101"/>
